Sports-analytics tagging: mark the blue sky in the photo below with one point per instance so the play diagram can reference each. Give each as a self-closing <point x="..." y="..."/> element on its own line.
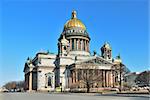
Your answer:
<point x="28" y="26"/>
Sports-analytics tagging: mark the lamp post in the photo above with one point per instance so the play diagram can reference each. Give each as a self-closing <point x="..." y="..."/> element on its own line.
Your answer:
<point x="61" y="83"/>
<point x="121" y="72"/>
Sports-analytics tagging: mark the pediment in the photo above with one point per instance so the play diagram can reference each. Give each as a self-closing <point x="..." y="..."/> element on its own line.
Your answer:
<point x="97" y="61"/>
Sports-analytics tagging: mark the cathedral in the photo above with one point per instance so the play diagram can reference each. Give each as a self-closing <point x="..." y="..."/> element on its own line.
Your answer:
<point x="73" y="68"/>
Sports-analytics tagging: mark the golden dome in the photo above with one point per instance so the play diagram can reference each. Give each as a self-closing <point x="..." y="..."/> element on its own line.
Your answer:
<point x="74" y="22"/>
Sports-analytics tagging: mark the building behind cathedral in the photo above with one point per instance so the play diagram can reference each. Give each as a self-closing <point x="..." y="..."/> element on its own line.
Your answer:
<point x="47" y="71"/>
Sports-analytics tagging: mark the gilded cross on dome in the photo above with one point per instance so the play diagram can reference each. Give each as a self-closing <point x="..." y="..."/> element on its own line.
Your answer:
<point x="74" y="14"/>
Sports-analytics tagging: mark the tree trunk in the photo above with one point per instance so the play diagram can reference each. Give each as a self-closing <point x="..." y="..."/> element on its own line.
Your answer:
<point x="88" y="88"/>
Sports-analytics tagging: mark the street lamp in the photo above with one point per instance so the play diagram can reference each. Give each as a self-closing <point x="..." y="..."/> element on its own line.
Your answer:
<point x="121" y="72"/>
<point x="120" y="66"/>
<point x="61" y="83"/>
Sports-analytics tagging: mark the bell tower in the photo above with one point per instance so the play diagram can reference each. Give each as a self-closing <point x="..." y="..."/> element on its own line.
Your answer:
<point x="63" y="46"/>
<point x="106" y="51"/>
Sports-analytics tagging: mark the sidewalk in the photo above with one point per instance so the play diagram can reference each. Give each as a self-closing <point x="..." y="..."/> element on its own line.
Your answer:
<point x="108" y="94"/>
<point x="127" y="95"/>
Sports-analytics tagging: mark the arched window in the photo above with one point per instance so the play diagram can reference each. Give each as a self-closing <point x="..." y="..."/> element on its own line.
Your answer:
<point x="49" y="81"/>
<point x="65" y="48"/>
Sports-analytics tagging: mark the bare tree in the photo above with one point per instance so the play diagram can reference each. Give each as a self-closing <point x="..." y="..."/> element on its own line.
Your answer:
<point x="121" y="69"/>
<point x="143" y="79"/>
<point x="10" y="85"/>
<point x="20" y="84"/>
<point x="14" y="85"/>
<point x="89" y="77"/>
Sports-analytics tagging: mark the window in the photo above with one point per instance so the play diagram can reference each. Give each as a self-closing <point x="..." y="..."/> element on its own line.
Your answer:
<point x="49" y="81"/>
<point x="64" y="47"/>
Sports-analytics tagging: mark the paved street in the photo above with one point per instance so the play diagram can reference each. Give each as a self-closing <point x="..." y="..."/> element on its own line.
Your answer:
<point x="47" y="96"/>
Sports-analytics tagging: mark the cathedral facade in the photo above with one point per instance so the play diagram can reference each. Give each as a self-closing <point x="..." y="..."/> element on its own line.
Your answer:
<point x="74" y="67"/>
